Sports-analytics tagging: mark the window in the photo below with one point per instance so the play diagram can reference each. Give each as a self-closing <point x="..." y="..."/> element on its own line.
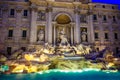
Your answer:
<point x="26" y="0"/>
<point x="0" y="12"/>
<point x="24" y="33"/>
<point x="97" y="49"/>
<point x="115" y="36"/>
<point x="113" y="7"/>
<point x="103" y="6"/>
<point x="94" y="17"/>
<point x="114" y="19"/>
<point x="96" y="35"/>
<point x="117" y="49"/>
<point x="10" y="33"/>
<point x="23" y="48"/>
<point x="12" y="12"/>
<point x="25" y="13"/>
<point x="106" y="35"/>
<point x="9" y="50"/>
<point x="104" y="18"/>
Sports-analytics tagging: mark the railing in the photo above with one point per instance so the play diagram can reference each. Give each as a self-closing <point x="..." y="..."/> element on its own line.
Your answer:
<point x="95" y="21"/>
<point x="83" y="21"/>
<point x="24" y="40"/>
<point x="21" y="40"/>
<point x="11" y="16"/>
<point x="107" y="40"/>
<point x="25" y="17"/>
<point x="114" y="22"/>
<point x="41" y="19"/>
<point x="105" y="21"/>
<point x="97" y="39"/>
<point x="9" y="39"/>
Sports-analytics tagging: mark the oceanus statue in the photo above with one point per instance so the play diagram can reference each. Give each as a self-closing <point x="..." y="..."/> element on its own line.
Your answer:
<point x="63" y="39"/>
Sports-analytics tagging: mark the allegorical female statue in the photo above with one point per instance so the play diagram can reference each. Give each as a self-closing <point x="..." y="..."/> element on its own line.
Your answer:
<point x="84" y="35"/>
<point x="41" y="35"/>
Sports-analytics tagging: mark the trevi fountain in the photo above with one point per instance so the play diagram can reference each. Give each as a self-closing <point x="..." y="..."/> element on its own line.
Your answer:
<point x="44" y="56"/>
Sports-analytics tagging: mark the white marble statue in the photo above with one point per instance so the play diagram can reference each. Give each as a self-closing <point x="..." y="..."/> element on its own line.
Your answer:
<point x="84" y="35"/>
<point x="40" y="35"/>
<point x="63" y="39"/>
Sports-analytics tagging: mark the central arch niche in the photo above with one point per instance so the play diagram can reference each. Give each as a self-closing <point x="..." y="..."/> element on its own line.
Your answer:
<point x="63" y="25"/>
<point x="63" y="19"/>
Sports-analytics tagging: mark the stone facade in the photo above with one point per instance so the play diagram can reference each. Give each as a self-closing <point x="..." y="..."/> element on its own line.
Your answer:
<point x="21" y="21"/>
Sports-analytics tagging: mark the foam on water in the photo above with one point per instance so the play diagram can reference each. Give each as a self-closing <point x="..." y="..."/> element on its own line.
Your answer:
<point x="85" y="74"/>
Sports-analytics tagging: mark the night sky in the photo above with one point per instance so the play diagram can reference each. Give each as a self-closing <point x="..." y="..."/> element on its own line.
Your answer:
<point x="108" y="1"/>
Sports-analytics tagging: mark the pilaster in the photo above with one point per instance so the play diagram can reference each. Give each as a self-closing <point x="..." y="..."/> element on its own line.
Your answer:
<point x="54" y="24"/>
<point x="5" y="16"/>
<point x="101" y="30"/>
<point x="18" y="17"/>
<point x="17" y="29"/>
<point x="72" y="34"/>
<point x="111" y="33"/>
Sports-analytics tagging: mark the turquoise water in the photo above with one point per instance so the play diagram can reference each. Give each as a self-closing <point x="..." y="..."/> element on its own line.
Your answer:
<point x="60" y="75"/>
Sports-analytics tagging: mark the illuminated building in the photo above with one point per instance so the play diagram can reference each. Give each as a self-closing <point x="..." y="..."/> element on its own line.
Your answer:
<point x="24" y="22"/>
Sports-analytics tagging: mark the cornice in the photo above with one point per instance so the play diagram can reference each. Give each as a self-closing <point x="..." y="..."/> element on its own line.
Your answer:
<point x="39" y="2"/>
<point x="69" y="5"/>
<point x="15" y="3"/>
<point x="106" y="10"/>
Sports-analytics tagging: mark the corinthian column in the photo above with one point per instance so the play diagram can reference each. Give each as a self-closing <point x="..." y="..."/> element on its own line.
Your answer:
<point x="54" y="33"/>
<point x="49" y="24"/>
<point x="77" y="27"/>
<point x="72" y="33"/>
<point x="33" y="30"/>
<point x="91" y="38"/>
<point x="77" y="22"/>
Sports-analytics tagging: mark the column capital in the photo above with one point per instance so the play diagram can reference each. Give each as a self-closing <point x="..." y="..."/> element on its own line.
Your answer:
<point x="77" y="6"/>
<point x="76" y="11"/>
<point x="90" y="12"/>
<point x="76" y="3"/>
<point x="91" y="8"/>
<point x="49" y="9"/>
<point x="50" y="2"/>
<point x="54" y="22"/>
<point x="73" y="23"/>
<point x="49" y="5"/>
<point x="33" y="7"/>
<point x="18" y="10"/>
<point x="5" y="9"/>
<point x="91" y="5"/>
